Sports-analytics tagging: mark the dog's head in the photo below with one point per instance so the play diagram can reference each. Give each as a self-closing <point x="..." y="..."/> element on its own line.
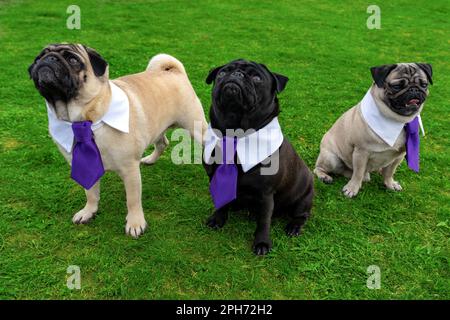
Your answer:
<point x="62" y="72"/>
<point x="244" y="94"/>
<point x="403" y="87"/>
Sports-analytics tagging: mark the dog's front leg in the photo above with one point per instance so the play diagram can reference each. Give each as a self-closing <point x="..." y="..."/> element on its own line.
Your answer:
<point x="359" y="160"/>
<point x="88" y="212"/>
<point x="136" y="223"/>
<point x="263" y="210"/>
<point x="388" y="174"/>
<point x="218" y="219"/>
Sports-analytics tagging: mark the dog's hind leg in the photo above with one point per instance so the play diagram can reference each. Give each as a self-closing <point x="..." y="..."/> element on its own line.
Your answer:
<point x="160" y="145"/>
<point x="343" y="170"/>
<point x="326" y="163"/>
<point x="88" y="212"/>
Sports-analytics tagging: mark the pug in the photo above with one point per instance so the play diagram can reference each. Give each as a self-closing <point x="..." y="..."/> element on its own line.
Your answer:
<point x="120" y="118"/>
<point x="375" y="134"/>
<point x="244" y="114"/>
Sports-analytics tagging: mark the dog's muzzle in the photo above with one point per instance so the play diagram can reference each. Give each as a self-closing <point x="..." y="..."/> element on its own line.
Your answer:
<point x="231" y="89"/>
<point x="409" y="102"/>
<point x="45" y="75"/>
<point x="48" y="70"/>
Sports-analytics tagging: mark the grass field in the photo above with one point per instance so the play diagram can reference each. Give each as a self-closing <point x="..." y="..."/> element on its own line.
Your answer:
<point x="326" y="50"/>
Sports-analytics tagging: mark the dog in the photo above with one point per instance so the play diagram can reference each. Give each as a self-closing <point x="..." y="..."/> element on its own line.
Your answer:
<point x="370" y="136"/>
<point x="128" y="113"/>
<point x="244" y="97"/>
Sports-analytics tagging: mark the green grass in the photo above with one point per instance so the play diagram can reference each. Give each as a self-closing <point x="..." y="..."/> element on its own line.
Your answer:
<point x="326" y="50"/>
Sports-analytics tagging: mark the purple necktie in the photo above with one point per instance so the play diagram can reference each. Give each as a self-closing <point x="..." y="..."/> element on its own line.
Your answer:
<point x="223" y="185"/>
<point x="412" y="144"/>
<point x="87" y="165"/>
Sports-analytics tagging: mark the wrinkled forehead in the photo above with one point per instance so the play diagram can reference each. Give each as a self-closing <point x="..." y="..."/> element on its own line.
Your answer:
<point x="408" y="71"/>
<point x="245" y="65"/>
<point x="62" y="48"/>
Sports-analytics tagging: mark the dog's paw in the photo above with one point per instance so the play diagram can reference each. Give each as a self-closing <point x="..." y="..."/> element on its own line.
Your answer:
<point x="262" y="248"/>
<point x="215" y="222"/>
<point x="262" y="244"/>
<point x="322" y="176"/>
<point x="136" y="225"/>
<point x="83" y="216"/>
<point x="393" y="185"/>
<point x="326" y="179"/>
<point x="350" y="190"/>
<point x="293" y="229"/>
<point x="366" y="177"/>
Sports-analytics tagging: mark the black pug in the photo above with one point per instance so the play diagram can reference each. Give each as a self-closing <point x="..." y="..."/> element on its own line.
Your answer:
<point x="244" y="96"/>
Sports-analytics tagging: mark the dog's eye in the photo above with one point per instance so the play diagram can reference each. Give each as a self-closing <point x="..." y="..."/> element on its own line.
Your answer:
<point x="256" y="79"/>
<point x="221" y="74"/>
<point x="73" y="61"/>
<point x="397" y="86"/>
<point x="424" y="85"/>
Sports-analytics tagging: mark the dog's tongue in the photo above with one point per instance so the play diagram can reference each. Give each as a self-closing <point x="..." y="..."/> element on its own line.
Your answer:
<point x="413" y="101"/>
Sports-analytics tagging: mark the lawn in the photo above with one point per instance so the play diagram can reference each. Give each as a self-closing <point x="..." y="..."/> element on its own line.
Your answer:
<point x="326" y="50"/>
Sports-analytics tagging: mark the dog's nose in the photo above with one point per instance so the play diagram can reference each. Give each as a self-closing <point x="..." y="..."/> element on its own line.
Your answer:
<point x="232" y="89"/>
<point x="414" y="90"/>
<point x="238" y="74"/>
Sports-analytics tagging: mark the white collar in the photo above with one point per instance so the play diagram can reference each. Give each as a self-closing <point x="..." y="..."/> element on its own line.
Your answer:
<point x="117" y="116"/>
<point x="251" y="149"/>
<point x="386" y="128"/>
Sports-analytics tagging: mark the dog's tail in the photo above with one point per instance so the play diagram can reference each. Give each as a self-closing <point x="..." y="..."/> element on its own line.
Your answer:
<point x="165" y="62"/>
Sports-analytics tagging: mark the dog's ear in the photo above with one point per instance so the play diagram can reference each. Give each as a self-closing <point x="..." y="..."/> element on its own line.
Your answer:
<point x="30" y="68"/>
<point x="426" y="67"/>
<point x="212" y="74"/>
<point x="379" y="74"/>
<point x="279" y="80"/>
<point x="97" y="62"/>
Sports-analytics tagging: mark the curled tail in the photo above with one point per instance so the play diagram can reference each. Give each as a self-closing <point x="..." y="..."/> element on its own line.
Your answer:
<point x="165" y="62"/>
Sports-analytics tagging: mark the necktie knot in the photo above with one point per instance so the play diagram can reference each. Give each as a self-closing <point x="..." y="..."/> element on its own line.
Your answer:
<point x="413" y="126"/>
<point x="228" y="149"/>
<point x="82" y="131"/>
